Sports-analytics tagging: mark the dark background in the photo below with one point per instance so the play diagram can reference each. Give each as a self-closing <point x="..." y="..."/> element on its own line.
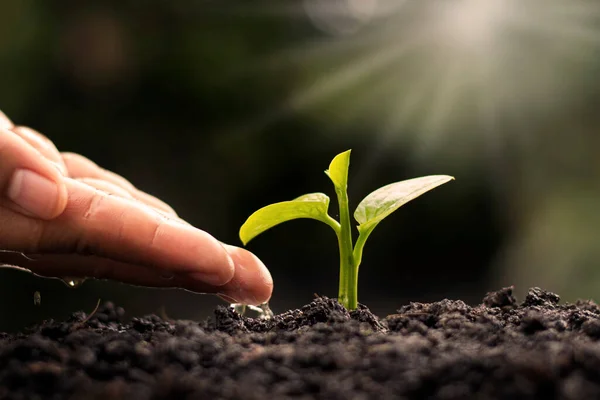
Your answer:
<point x="222" y="107"/>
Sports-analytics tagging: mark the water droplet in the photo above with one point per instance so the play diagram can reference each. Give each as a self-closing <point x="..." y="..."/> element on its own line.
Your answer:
<point x="73" y="282"/>
<point x="262" y="311"/>
<point x="238" y="308"/>
<point x="267" y="313"/>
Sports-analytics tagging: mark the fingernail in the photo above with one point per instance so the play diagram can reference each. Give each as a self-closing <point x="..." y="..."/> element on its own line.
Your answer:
<point x="35" y="194"/>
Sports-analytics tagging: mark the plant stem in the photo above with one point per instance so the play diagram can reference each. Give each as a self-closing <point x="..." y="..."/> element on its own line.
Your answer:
<point x="348" y="271"/>
<point x="333" y="224"/>
<point x="360" y="244"/>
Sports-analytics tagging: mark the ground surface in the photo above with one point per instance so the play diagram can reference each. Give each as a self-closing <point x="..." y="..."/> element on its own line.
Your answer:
<point x="445" y="350"/>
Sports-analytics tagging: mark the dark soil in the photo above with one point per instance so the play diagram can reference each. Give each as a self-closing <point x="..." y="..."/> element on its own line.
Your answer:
<point x="446" y="350"/>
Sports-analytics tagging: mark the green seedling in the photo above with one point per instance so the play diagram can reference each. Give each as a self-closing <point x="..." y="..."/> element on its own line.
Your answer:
<point x="369" y="213"/>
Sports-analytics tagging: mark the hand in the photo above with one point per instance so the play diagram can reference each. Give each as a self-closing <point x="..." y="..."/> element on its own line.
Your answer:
<point x="71" y="218"/>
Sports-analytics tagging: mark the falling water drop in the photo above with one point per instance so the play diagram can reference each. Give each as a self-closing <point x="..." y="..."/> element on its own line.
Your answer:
<point x="73" y="282"/>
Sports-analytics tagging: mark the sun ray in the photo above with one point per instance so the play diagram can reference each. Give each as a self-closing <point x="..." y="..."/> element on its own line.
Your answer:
<point x="440" y="71"/>
<point x="393" y="131"/>
<point x="368" y="65"/>
<point x="445" y="99"/>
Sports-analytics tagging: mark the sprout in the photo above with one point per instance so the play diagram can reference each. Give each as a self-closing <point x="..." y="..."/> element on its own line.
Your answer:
<point x="369" y="213"/>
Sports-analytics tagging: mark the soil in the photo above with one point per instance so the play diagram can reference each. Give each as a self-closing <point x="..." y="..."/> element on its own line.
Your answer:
<point x="538" y="349"/>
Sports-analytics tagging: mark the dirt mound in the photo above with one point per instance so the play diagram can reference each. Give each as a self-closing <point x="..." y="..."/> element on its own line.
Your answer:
<point x="500" y="349"/>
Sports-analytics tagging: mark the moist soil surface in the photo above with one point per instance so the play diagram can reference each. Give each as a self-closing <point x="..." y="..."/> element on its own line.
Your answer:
<point x="501" y="349"/>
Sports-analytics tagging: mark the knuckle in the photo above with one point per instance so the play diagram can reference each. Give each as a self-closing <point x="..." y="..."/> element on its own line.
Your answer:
<point x="156" y="231"/>
<point x="148" y="237"/>
<point x="92" y="207"/>
<point x="121" y="229"/>
<point x="84" y="244"/>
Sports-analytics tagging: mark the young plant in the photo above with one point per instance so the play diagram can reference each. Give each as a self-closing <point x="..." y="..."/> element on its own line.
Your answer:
<point x="369" y="213"/>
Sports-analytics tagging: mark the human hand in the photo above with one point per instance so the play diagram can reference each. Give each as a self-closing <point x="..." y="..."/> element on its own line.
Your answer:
<point x="71" y="218"/>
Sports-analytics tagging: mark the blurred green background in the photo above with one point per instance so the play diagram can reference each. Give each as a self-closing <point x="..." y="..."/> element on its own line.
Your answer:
<point x="221" y="107"/>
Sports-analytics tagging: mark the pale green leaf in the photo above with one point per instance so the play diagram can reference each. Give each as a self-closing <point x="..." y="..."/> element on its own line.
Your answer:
<point x="338" y="170"/>
<point x="313" y="205"/>
<point x="384" y="201"/>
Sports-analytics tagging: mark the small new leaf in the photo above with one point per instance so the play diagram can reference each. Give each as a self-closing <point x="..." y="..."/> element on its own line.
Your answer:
<point x="313" y="205"/>
<point x="338" y="170"/>
<point x="384" y="201"/>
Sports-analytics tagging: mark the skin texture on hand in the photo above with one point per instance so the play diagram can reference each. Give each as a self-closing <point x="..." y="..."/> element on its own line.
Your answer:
<point x="71" y="218"/>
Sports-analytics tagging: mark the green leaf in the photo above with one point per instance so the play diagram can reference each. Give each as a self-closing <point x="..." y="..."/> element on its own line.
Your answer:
<point x="384" y="201"/>
<point x="313" y="205"/>
<point x="338" y="170"/>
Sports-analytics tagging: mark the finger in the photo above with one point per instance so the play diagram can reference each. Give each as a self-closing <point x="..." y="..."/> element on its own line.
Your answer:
<point x="29" y="183"/>
<point x="122" y="230"/>
<point x="42" y="144"/>
<point x="107" y="187"/>
<point x="5" y="123"/>
<point x="154" y="202"/>
<point x="115" y="190"/>
<point x="79" y="166"/>
<point x="252" y="282"/>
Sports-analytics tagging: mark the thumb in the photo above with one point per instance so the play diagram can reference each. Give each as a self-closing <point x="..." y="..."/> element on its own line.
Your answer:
<point x="30" y="184"/>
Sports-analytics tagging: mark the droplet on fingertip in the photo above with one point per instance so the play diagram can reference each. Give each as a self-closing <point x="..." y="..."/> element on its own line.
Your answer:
<point x="73" y="282"/>
<point x="262" y="311"/>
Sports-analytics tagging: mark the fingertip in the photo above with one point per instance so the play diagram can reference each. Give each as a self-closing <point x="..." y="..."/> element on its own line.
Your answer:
<point x="252" y="283"/>
<point x="5" y="122"/>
